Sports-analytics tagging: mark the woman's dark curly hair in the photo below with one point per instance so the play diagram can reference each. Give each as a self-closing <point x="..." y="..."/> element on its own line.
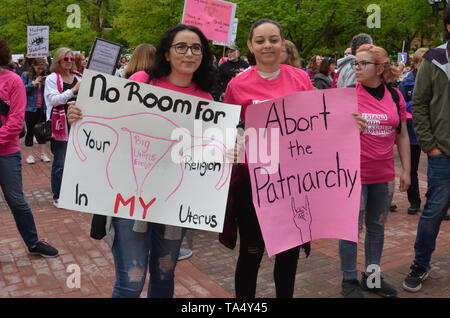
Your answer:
<point x="5" y="53"/>
<point x="204" y="77"/>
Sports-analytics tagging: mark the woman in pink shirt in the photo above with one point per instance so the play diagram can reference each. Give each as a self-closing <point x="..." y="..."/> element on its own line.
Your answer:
<point x="183" y="63"/>
<point x="267" y="80"/>
<point x="13" y="100"/>
<point x="386" y="126"/>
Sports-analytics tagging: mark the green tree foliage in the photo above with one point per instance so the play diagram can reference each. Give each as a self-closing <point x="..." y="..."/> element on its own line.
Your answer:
<point x="405" y="20"/>
<point x="96" y="16"/>
<point x="327" y="26"/>
<point x="315" y="26"/>
<point x="143" y="21"/>
<point x="18" y="14"/>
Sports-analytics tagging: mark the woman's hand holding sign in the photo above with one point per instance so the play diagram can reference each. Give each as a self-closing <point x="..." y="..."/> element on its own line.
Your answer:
<point x="73" y="113"/>
<point x="233" y="154"/>
<point x="361" y="122"/>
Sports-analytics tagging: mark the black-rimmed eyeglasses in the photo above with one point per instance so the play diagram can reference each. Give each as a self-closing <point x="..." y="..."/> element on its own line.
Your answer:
<point x="181" y="48"/>
<point x="362" y="64"/>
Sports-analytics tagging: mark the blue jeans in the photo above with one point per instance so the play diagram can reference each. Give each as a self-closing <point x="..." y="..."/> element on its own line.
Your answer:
<point x="59" y="156"/>
<point x="133" y="251"/>
<point x="438" y="202"/>
<point x="11" y="184"/>
<point x="375" y="202"/>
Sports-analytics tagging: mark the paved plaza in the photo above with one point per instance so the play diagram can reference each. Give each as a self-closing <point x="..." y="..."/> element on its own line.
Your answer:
<point x="209" y="273"/>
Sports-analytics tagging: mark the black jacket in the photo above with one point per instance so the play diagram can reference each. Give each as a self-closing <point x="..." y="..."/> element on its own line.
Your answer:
<point x="228" y="70"/>
<point x="322" y="81"/>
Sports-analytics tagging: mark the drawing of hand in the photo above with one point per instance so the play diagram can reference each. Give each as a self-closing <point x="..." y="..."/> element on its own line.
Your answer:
<point x="302" y="219"/>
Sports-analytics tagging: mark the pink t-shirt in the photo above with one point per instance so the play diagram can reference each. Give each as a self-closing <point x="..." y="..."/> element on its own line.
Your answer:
<point x="193" y="90"/>
<point x="39" y="99"/>
<point x="12" y="91"/>
<point x="250" y="88"/>
<point x="377" y="141"/>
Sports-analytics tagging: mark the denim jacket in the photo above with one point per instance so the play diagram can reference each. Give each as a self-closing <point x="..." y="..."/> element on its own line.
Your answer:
<point x="32" y="94"/>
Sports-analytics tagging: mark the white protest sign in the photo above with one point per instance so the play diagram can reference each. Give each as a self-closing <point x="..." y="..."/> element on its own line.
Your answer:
<point x="233" y="35"/>
<point x="16" y="57"/>
<point x="147" y="153"/>
<point x="104" y="56"/>
<point x="38" y="41"/>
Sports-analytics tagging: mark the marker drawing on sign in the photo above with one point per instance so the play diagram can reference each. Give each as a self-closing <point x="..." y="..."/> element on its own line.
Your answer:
<point x="79" y="151"/>
<point x="146" y="151"/>
<point x="142" y="160"/>
<point x="302" y="219"/>
<point x="37" y="41"/>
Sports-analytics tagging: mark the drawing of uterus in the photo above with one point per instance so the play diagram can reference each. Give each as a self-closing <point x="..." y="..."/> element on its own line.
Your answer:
<point x="144" y="148"/>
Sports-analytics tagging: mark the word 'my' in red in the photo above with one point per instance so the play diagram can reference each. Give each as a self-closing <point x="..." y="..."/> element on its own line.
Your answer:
<point x="131" y="201"/>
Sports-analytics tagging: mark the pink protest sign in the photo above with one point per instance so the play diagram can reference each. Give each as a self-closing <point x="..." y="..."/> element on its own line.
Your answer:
<point x="213" y="17"/>
<point x="305" y="167"/>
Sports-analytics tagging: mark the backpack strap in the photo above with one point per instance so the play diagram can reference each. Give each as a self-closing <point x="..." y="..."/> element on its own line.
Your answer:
<point x="4" y="108"/>
<point x="149" y="79"/>
<point x="396" y="99"/>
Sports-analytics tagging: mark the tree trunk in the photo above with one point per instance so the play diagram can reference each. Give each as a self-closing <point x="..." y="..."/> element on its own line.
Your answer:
<point x="320" y="35"/>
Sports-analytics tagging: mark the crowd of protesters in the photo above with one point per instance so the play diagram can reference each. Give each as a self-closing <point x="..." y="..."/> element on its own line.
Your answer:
<point x="36" y="91"/>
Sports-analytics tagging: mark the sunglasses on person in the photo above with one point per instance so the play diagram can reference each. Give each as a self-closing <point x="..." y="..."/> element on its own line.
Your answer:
<point x="68" y="59"/>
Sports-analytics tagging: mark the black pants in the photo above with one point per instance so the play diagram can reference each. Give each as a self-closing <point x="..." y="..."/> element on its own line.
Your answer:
<point x="31" y="119"/>
<point x="252" y="249"/>
<point x="413" y="191"/>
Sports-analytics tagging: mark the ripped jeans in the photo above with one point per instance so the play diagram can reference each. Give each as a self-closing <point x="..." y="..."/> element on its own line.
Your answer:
<point x="133" y="251"/>
<point x="375" y="203"/>
<point x="252" y="248"/>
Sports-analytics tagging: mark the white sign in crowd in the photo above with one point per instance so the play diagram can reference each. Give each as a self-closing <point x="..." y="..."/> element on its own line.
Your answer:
<point x="147" y="153"/>
<point x="38" y="41"/>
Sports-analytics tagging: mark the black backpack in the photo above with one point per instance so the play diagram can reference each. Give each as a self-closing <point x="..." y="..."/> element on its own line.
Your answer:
<point x="396" y="99"/>
<point x="4" y="110"/>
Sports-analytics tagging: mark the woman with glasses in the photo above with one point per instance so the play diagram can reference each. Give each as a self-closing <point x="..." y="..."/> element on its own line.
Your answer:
<point x="267" y="80"/>
<point x="61" y="86"/>
<point x="183" y="63"/>
<point x="386" y="126"/>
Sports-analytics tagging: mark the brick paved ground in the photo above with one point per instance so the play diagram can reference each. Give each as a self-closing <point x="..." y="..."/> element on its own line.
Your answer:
<point x="208" y="273"/>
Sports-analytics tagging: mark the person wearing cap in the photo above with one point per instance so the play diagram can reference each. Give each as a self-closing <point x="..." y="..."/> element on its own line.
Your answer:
<point x="233" y="66"/>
